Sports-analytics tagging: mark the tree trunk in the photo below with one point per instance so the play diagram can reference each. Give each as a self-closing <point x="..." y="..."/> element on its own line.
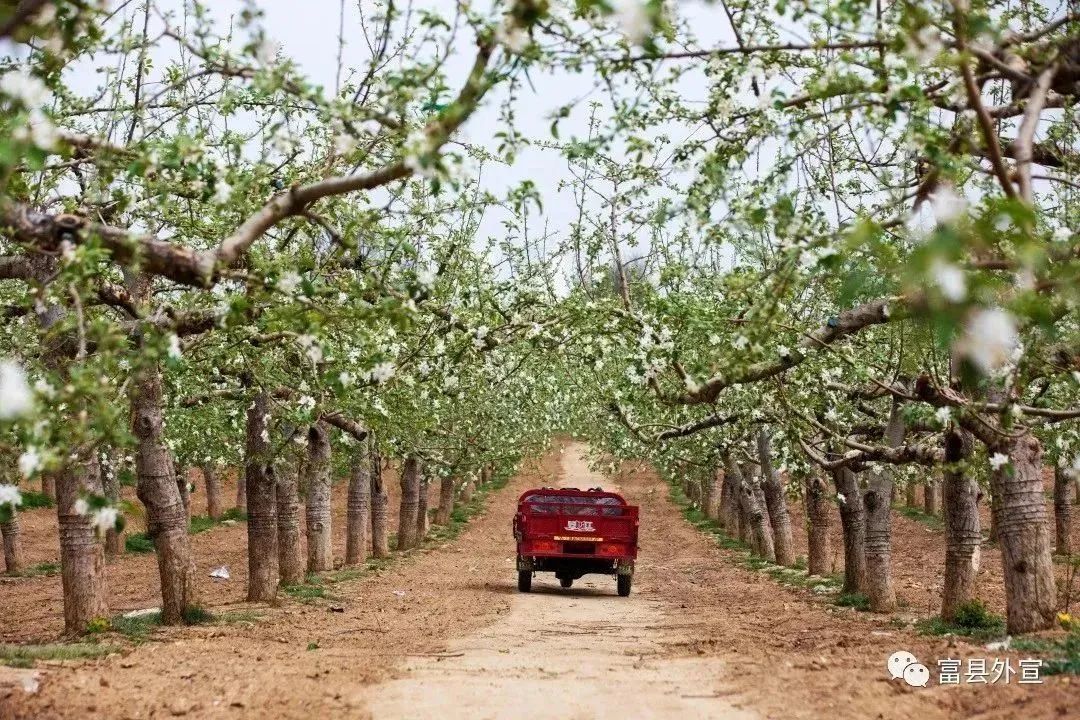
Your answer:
<point x="410" y="500"/>
<point x="911" y="498"/>
<point x="818" y="553"/>
<point x="285" y="476"/>
<point x="853" y="524"/>
<point x="446" y="501"/>
<point x="724" y="502"/>
<point x="757" y="518"/>
<point x="358" y="511"/>
<point x="320" y="552"/>
<point x="963" y="536"/>
<point x="1030" y="591"/>
<point x="776" y="502"/>
<point x="261" y="504"/>
<point x="241" y="493"/>
<point x="48" y="486"/>
<point x="995" y="508"/>
<point x="166" y="517"/>
<point x="1062" y="511"/>
<point x="422" y="524"/>
<point x="12" y="548"/>
<point x="877" y="544"/>
<point x="213" y="491"/>
<point x="932" y="491"/>
<point x="711" y="504"/>
<point x="82" y="559"/>
<point x="759" y="495"/>
<point x="692" y="491"/>
<point x="877" y="502"/>
<point x="380" y="542"/>
<point x="114" y="541"/>
<point x="729" y="496"/>
<point x="467" y="490"/>
<point x="183" y="486"/>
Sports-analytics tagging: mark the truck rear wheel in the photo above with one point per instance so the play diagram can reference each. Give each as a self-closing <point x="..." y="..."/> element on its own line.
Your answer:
<point x="624" y="584"/>
<point x="524" y="580"/>
<point x="566" y="582"/>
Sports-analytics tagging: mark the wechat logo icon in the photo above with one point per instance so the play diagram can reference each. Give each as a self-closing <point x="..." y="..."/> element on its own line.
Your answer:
<point x="903" y="665"/>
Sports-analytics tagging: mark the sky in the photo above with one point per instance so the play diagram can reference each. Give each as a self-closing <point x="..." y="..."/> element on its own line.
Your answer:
<point x="311" y="40"/>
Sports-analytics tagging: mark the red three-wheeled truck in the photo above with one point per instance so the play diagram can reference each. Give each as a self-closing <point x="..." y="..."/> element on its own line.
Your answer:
<point x="573" y="532"/>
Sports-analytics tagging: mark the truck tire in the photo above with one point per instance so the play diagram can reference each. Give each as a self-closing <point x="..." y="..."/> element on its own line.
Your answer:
<point x="524" y="580"/>
<point x="566" y="582"/>
<point x="624" y="584"/>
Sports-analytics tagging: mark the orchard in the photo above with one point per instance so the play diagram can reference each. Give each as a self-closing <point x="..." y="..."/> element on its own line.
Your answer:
<point x="295" y="302"/>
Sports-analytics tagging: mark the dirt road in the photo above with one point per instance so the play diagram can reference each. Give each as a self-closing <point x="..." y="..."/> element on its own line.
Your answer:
<point x="600" y="655"/>
<point x="444" y="633"/>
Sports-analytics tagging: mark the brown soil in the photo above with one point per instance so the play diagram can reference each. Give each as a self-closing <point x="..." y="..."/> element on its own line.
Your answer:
<point x="700" y="636"/>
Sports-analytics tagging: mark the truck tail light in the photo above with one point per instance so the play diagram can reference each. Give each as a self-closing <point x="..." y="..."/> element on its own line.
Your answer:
<point x="610" y="549"/>
<point x="545" y="546"/>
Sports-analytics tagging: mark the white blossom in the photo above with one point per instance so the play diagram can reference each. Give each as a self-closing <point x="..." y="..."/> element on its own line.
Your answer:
<point x="989" y="339"/>
<point x="39" y="131"/>
<point x="10" y="495"/>
<point x="947" y="205"/>
<point x="16" y="398"/>
<point x="740" y="342"/>
<point x="81" y="506"/>
<point x="426" y="277"/>
<point x="345" y="378"/>
<point x="924" y="45"/>
<point x="382" y="372"/>
<point x="104" y="519"/>
<point x="288" y="282"/>
<point x="266" y="51"/>
<point x="222" y="192"/>
<point x="998" y="460"/>
<point x="950" y="279"/>
<point x="512" y="36"/>
<point x="418" y="154"/>
<point x="783" y="351"/>
<point x="633" y="19"/>
<point x="282" y="140"/>
<point x="344" y="143"/>
<point x="45" y="15"/>
<point x="479" y="339"/>
<point x="311" y="347"/>
<point x="943" y="414"/>
<point x="26" y="88"/>
<point x="840" y="498"/>
<point x="1025" y="279"/>
<point x="174" y="347"/>
<point x="44" y="389"/>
